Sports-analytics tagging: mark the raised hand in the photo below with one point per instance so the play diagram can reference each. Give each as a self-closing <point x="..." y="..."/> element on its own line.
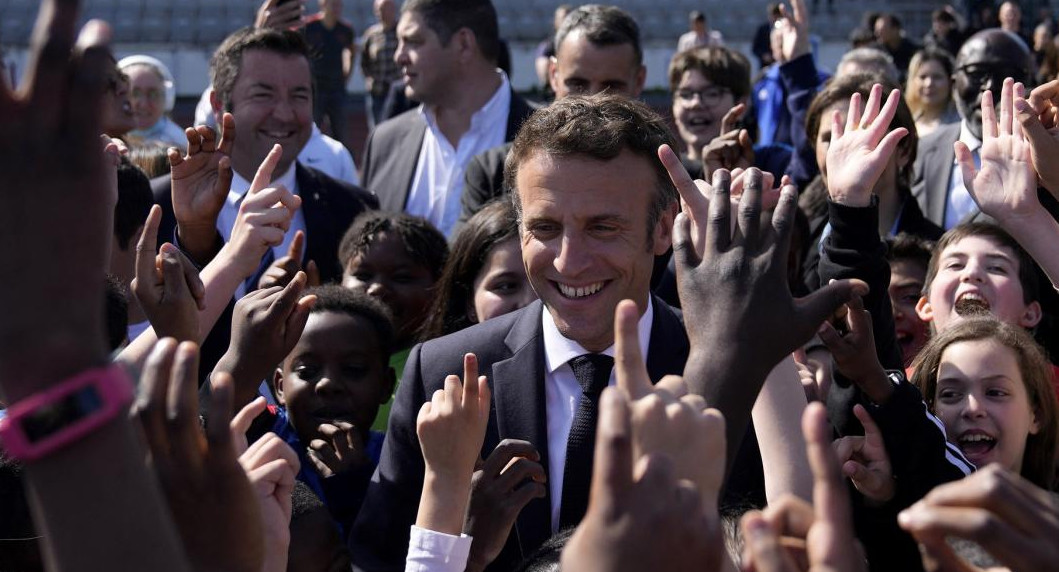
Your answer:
<point x="282" y="271"/>
<point x="641" y="515"/>
<point x="263" y="220"/>
<point x="860" y="150"/>
<point x="167" y="285"/>
<point x="793" y="29"/>
<point x="507" y="481"/>
<point x="854" y="353"/>
<point x="1014" y="520"/>
<point x="865" y="461"/>
<point x="58" y="204"/>
<point x="1005" y="187"/>
<point x="666" y="420"/>
<point x="280" y="14"/>
<point x="825" y="529"/>
<point x="271" y="467"/>
<point x="731" y="149"/>
<point x="212" y="502"/>
<point x="200" y="184"/>
<point x="451" y="429"/>
<point x="1039" y="117"/>
<point x="266" y="325"/>
<point x="738" y="309"/>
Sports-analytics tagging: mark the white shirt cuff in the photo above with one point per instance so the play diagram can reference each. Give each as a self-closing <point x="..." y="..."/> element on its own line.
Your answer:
<point x="432" y="551"/>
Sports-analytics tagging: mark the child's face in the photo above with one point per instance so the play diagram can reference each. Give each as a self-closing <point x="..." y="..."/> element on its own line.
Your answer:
<point x="906" y="287"/>
<point x="333" y="374"/>
<point x="982" y="400"/>
<point x="387" y="273"/>
<point x="977" y="276"/>
<point x="501" y="285"/>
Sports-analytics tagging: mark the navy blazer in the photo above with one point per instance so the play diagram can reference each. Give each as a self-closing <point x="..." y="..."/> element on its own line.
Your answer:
<point x="393" y="147"/>
<point x="510" y="351"/>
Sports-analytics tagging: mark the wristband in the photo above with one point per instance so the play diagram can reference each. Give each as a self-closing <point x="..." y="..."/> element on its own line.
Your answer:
<point x="49" y="420"/>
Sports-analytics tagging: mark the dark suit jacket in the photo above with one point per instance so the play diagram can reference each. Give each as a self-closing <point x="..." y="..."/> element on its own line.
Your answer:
<point x="329" y="206"/>
<point x="933" y="169"/>
<point x="393" y="151"/>
<point x="483" y="181"/>
<point x="510" y="352"/>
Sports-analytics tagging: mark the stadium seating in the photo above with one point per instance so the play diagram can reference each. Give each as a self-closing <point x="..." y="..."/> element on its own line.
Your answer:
<point x="204" y="23"/>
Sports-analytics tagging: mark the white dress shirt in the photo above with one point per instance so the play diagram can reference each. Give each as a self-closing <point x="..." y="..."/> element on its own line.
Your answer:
<point x="230" y="212"/>
<point x="329" y="157"/>
<point x="562" y="395"/>
<point x="438" y="180"/>
<point x="959" y="203"/>
<point x="432" y="551"/>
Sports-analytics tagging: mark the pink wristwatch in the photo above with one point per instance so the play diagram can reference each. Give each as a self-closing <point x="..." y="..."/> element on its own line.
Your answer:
<point x="47" y="421"/>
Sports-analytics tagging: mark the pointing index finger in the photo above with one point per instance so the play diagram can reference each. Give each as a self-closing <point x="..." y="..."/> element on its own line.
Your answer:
<point x="264" y="172"/>
<point x="145" y="248"/>
<point x="630" y="370"/>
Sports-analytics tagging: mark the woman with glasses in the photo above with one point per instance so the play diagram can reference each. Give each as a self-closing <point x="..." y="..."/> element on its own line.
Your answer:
<point x="153" y="95"/>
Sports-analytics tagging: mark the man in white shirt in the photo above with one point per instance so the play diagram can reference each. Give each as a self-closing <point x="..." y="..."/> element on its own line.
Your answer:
<point x="595" y="207"/>
<point x="982" y="64"/>
<point x="447" y="50"/>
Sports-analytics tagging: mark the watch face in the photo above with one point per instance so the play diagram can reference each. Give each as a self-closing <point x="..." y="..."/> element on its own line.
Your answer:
<point x="54" y="417"/>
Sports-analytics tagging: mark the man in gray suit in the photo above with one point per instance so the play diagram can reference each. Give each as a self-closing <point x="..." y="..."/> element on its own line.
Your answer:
<point x="447" y="51"/>
<point x="982" y="64"/>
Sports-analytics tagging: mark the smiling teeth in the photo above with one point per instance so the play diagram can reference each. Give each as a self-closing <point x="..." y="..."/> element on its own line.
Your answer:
<point x="977" y="438"/>
<point x="571" y="292"/>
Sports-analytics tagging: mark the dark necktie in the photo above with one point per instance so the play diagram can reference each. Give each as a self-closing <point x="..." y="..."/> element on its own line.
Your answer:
<point x="592" y="372"/>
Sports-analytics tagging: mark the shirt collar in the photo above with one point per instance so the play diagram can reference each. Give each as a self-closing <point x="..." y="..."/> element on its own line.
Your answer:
<point x="967" y="138"/>
<point x="499" y="103"/>
<point x="240" y="186"/>
<point x="558" y="349"/>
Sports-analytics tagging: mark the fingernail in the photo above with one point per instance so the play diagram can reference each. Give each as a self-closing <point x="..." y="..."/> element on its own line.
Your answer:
<point x="1022" y="106"/>
<point x="907" y="518"/>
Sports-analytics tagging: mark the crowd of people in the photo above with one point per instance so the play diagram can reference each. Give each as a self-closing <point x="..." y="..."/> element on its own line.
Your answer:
<point x="809" y="328"/>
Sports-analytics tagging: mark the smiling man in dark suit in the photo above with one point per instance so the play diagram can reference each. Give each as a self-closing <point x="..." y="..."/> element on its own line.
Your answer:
<point x="447" y="51"/>
<point x="262" y="84"/>
<point x="595" y="207"/>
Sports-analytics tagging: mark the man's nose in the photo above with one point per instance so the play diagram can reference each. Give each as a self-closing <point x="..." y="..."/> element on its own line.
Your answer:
<point x="571" y="258"/>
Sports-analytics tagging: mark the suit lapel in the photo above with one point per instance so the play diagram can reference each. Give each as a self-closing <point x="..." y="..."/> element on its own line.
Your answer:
<point x="940" y="165"/>
<point x="518" y="392"/>
<point x="669" y="343"/>
<point x="518" y="113"/>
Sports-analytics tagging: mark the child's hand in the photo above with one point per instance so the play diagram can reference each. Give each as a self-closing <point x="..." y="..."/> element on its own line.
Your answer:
<point x="509" y="479"/>
<point x="1039" y="117"/>
<point x="209" y="495"/>
<point x="266" y="325"/>
<point x="865" y="461"/>
<point x="825" y="529"/>
<point x="263" y="220"/>
<point x="167" y="285"/>
<point x="855" y="355"/>
<point x="641" y="514"/>
<point x="1005" y="187"/>
<point x="341" y="449"/>
<point x="271" y="466"/>
<point x="451" y="426"/>
<point x="200" y="183"/>
<point x="1014" y="520"/>
<point x="283" y="270"/>
<point x="861" y="149"/>
<point x="666" y="420"/>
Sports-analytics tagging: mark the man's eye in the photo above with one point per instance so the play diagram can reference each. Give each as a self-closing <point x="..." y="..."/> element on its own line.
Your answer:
<point x="307" y="372"/>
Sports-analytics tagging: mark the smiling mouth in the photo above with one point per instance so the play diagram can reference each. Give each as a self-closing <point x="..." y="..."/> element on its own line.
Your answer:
<point x="971" y="304"/>
<point x="277" y="134"/>
<point x="976" y="444"/>
<point x="575" y="292"/>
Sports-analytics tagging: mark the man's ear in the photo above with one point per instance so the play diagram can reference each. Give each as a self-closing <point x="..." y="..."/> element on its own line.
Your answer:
<point x="277" y="386"/>
<point x="663" y="230"/>
<point x="466" y="43"/>
<point x="553" y="70"/>
<point x="924" y="310"/>
<point x="1032" y="315"/>
<point x="215" y="103"/>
